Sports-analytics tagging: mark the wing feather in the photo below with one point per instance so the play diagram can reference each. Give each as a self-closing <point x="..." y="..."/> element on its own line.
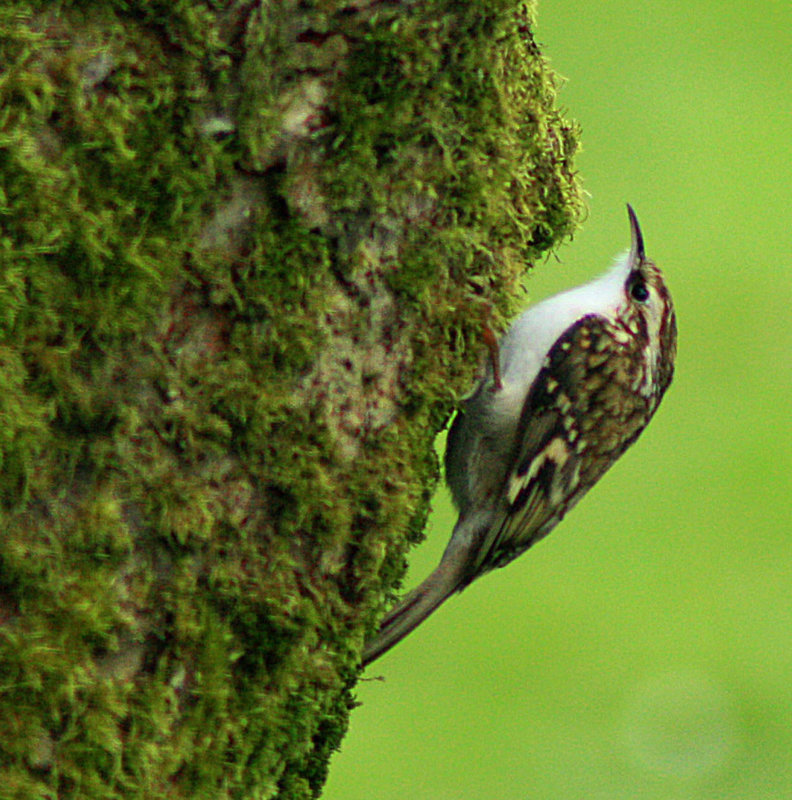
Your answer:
<point x="543" y="482"/>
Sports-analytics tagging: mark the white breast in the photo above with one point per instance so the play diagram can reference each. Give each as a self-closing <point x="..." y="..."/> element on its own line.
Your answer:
<point x="529" y="339"/>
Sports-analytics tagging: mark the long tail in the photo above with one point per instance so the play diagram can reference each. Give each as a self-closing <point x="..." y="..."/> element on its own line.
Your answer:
<point x="450" y="576"/>
<point x="414" y="609"/>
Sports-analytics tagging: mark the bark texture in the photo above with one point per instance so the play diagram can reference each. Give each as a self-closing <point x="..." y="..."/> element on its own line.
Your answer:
<point x="246" y="249"/>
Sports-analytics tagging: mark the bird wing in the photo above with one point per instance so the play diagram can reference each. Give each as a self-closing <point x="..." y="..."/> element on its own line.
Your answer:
<point x="544" y="479"/>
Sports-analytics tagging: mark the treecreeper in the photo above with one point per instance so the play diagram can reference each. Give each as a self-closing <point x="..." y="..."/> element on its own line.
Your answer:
<point x="568" y="389"/>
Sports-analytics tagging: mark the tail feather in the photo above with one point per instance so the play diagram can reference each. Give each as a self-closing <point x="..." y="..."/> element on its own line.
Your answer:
<point x="414" y="609"/>
<point x="450" y="576"/>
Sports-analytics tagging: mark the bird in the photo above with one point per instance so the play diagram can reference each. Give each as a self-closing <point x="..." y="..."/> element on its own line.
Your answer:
<point x="570" y="386"/>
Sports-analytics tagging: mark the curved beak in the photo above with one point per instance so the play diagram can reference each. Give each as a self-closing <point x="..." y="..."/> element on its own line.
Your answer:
<point x="637" y="243"/>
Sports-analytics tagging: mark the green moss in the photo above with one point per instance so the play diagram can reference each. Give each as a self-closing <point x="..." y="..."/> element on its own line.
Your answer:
<point x="189" y="559"/>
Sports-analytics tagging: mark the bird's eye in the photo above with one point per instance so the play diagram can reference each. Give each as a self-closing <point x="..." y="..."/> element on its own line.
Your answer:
<point x="639" y="291"/>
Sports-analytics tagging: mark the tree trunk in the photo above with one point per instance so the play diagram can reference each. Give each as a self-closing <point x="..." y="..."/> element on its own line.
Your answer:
<point x="246" y="251"/>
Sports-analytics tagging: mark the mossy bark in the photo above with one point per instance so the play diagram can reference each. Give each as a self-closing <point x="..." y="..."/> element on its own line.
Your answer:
<point x="246" y="250"/>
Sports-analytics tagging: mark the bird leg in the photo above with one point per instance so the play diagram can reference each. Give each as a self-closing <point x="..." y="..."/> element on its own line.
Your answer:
<point x="494" y="354"/>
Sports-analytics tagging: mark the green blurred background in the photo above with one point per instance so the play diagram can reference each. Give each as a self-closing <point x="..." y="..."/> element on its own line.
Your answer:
<point x="644" y="650"/>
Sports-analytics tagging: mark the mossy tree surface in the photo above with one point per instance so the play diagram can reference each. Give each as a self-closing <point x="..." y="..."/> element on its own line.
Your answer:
<point x="246" y="250"/>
